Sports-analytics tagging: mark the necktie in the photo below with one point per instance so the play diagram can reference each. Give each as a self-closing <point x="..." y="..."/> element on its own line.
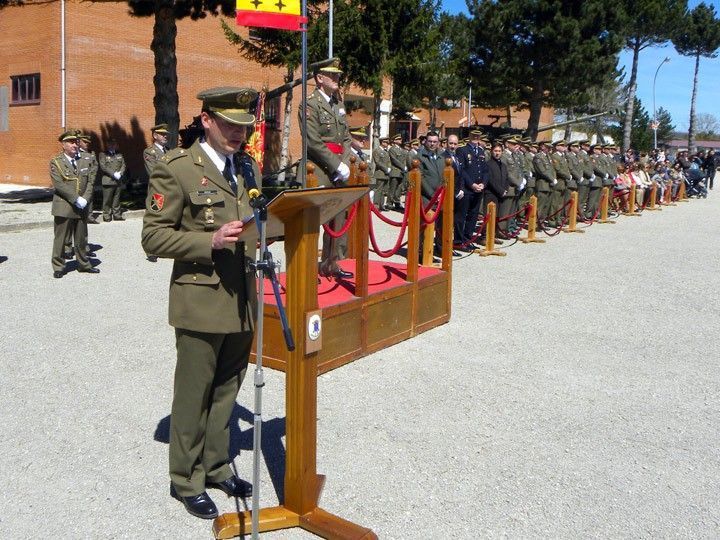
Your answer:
<point x="361" y="155"/>
<point x="228" y="174"/>
<point x="74" y="165"/>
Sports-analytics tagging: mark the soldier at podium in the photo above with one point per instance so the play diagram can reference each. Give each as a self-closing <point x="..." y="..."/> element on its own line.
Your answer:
<point x="197" y="199"/>
<point x="328" y="148"/>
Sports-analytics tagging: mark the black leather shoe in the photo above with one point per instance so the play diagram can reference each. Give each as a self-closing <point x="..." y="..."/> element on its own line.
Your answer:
<point x="342" y="274"/>
<point x="93" y="221"/>
<point x="152" y="258"/>
<point x="57" y="274"/>
<point x="89" y="270"/>
<point x="106" y="219"/>
<point x="118" y="218"/>
<point x="201" y="506"/>
<point x="69" y="255"/>
<point x="233" y="487"/>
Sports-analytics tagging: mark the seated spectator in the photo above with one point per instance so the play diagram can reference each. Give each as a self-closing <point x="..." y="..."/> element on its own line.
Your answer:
<point x="623" y="183"/>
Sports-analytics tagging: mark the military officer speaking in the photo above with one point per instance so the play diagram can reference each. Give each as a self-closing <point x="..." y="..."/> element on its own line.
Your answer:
<point x="70" y="177"/>
<point x="328" y="147"/>
<point x="197" y="201"/>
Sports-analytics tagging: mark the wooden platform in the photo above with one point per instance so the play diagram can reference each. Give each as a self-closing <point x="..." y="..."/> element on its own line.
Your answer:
<point x="394" y="309"/>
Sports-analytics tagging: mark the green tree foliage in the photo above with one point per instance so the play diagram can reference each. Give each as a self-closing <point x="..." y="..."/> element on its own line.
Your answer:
<point x="642" y="135"/>
<point x="665" y="126"/>
<point x="698" y="34"/>
<point x="645" y="23"/>
<point x="542" y="52"/>
<point x="165" y="14"/>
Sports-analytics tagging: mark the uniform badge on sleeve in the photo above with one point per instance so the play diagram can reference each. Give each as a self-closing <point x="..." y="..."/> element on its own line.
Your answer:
<point x="157" y="202"/>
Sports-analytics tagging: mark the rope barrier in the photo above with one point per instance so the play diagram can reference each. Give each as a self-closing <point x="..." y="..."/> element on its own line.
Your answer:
<point x="402" y="224"/>
<point x="478" y="232"/>
<point x="520" y="227"/>
<point x="438" y="197"/>
<point x="562" y="223"/>
<point x="374" y="209"/>
<point x="346" y="226"/>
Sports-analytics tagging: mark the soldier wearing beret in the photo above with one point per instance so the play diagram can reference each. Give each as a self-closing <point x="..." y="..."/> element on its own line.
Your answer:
<point x="112" y="165"/>
<point x="545" y="180"/>
<point x="398" y="168"/>
<point x="71" y="178"/>
<point x="197" y="201"/>
<point x="562" y="173"/>
<point x="359" y="140"/>
<point x="328" y="148"/>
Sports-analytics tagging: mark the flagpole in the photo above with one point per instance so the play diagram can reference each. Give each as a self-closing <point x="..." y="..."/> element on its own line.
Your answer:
<point x="303" y="102"/>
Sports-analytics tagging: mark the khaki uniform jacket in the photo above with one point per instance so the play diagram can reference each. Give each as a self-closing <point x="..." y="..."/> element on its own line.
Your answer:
<point x="610" y="168"/>
<point x="326" y="124"/>
<point x="528" y="169"/>
<point x="188" y="200"/>
<point x="544" y="172"/>
<point x="69" y="185"/>
<point x="381" y="159"/>
<point x="599" y="171"/>
<point x="398" y="160"/>
<point x="576" y="170"/>
<point x="514" y="172"/>
<point x="562" y="171"/>
<point x="587" y="169"/>
<point x="109" y="165"/>
<point x="151" y="155"/>
<point x="92" y="163"/>
<point x="432" y="167"/>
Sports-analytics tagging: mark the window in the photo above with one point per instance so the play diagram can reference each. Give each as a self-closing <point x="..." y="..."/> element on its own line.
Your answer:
<point x="272" y="114"/>
<point x="25" y="89"/>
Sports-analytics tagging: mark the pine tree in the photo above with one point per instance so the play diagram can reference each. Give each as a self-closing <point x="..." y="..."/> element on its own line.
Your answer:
<point x="698" y="34"/>
<point x="665" y="126"/>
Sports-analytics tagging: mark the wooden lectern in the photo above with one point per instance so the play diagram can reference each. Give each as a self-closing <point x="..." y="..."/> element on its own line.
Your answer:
<point x="298" y="215"/>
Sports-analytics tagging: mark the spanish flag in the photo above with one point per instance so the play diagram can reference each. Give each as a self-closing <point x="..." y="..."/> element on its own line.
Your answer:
<point x="279" y="14"/>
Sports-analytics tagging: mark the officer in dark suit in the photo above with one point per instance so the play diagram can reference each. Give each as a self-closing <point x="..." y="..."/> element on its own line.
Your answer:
<point x="459" y="203"/>
<point x="474" y="174"/>
<point x="70" y="176"/>
<point x="197" y="201"/>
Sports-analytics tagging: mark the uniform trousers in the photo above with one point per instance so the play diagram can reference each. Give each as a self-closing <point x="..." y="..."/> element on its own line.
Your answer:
<point x="474" y="204"/>
<point x="66" y="230"/>
<point x="543" y="206"/>
<point x="593" y="202"/>
<point x="209" y="371"/>
<point x="333" y="249"/>
<point x="111" y="201"/>
<point x="381" y="187"/>
<point x="583" y="192"/>
<point x="508" y="205"/>
<point x="394" y="190"/>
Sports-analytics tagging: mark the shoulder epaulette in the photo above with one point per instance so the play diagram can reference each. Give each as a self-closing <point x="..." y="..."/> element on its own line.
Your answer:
<point x="175" y="153"/>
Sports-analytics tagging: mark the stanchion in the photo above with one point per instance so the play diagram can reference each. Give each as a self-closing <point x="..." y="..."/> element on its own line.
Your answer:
<point x="490" y="234"/>
<point x="572" y="220"/>
<point x="532" y="224"/>
<point x="682" y="195"/>
<point x="630" y="211"/>
<point x="604" y="198"/>
<point x="652" y="205"/>
<point x="428" y="243"/>
<point x="668" y="194"/>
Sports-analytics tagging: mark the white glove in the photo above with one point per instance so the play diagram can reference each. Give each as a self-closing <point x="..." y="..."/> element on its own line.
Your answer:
<point x="117" y="175"/>
<point x="522" y="186"/>
<point x="607" y="176"/>
<point x="388" y="171"/>
<point x="460" y="194"/>
<point x="404" y="169"/>
<point x="344" y="171"/>
<point x="371" y="194"/>
<point x="554" y="182"/>
<point x="80" y="203"/>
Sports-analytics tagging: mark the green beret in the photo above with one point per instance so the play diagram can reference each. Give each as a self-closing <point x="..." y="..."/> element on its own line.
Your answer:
<point x="231" y="103"/>
<point x="69" y="135"/>
<point x="384" y="139"/>
<point x="160" y="128"/>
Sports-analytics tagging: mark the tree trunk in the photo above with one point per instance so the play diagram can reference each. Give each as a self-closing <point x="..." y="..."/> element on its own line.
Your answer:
<point x="535" y="103"/>
<point x="691" y="127"/>
<point x="508" y="114"/>
<point x="630" y="105"/>
<point x="287" y="123"/>
<point x="165" y="79"/>
<point x="377" y="99"/>
<point x="568" y="128"/>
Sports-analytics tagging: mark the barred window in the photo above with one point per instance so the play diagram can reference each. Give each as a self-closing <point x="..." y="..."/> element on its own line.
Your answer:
<point x="25" y="89"/>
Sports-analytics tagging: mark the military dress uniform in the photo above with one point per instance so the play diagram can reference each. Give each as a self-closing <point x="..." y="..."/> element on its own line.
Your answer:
<point x="509" y="203"/>
<point x="398" y="168"/>
<point x="558" y="195"/>
<point x="71" y="179"/>
<point x="576" y="170"/>
<point x="383" y="166"/>
<point x="545" y="179"/>
<point x="597" y="183"/>
<point x="212" y="297"/>
<point x="588" y="178"/>
<point x="92" y="161"/>
<point x="328" y="145"/>
<point x="112" y="165"/>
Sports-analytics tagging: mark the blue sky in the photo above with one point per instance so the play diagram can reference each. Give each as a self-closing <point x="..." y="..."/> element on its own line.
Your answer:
<point x="673" y="89"/>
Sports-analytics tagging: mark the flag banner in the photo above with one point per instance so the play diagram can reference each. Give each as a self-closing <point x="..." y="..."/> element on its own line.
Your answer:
<point x="278" y="14"/>
<point x="256" y="143"/>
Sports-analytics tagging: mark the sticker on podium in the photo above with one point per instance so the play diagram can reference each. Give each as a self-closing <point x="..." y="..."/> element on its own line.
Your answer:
<point x="313" y="323"/>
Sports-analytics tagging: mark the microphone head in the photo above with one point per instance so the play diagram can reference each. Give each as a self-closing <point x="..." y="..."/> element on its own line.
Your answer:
<point x="253" y="193"/>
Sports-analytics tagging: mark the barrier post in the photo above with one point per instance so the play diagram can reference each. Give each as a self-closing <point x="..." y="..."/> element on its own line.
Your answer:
<point x="604" y="198"/>
<point x="532" y="224"/>
<point x="428" y="240"/>
<point x="668" y="194"/>
<point x="682" y="195"/>
<point x="413" y="231"/>
<point x="490" y="233"/>
<point x="630" y="211"/>
<point x="652" y="205"/>
<point x="572" y="220"/>
<point x="447" y="228"/>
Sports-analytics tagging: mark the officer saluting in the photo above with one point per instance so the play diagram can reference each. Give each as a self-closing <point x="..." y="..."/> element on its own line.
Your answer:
<point x="328" y="147"/>
<point x="196" y="202"/>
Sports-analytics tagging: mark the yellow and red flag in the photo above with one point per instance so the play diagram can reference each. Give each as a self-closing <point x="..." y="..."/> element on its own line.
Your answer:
<point x="278" y="14"/>
<point x="256" y="143"/>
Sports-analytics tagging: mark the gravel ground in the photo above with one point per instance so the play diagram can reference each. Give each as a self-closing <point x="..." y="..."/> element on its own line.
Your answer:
<point x="573" y="394"/>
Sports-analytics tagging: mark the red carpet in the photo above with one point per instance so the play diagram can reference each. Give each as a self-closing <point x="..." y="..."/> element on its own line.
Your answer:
<point x="381" y="276"/>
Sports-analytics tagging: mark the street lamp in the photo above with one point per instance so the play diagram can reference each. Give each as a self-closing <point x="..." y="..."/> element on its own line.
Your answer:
<point x="655" y="123"/>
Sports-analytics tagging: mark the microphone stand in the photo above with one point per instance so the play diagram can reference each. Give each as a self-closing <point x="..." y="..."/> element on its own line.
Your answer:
<point x="265" y="268"/>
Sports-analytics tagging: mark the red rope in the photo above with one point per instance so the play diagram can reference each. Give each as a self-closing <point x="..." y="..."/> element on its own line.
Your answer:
<point x="378" y="213"/>
<point x="346" y="225"/>
<point x="478" y="231"/>
<point x="521" y="226"/>
<point x="438" y="197"/>
<point x="597" y="212"/>
<point x="403" y="225"/>
<point x="562" y="223"/>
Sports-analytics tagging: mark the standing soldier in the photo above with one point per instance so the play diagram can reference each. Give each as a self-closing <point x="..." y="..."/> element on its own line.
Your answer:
<point x="598" y="182"/>
<point x="545" y="180"/>
<point x="383" y="166"/>
<point x="474" y="173"/>
<point x="576" y="169"/>
<point x="112" y="165"/>
<point x="588" y="177"/>
<point x="328" y="148"/>
<point x="562" y="174"/>
<point x="398" y="168"/>
<point x="527" y="152"/>
<point x="158" y="148"/>
<point x="359" y="140"/>
<point x="70" y="177"/>
<point x="89" y="156"/>
<point x="513" y="163"/>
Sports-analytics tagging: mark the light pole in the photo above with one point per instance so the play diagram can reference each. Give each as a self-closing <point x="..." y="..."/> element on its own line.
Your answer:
<point x="655" y="123"/>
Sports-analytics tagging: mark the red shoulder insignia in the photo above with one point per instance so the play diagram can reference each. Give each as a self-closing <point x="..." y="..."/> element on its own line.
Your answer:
<point x="157" y="202"/>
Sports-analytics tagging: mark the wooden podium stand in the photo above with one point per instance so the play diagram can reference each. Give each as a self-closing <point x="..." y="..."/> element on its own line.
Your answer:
<point x="298" y="215"/>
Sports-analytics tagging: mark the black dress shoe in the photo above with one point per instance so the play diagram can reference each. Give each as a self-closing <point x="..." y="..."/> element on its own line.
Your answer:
<point x="152" y="258"/>
<point x="342" y="274"/>
<point x="118" y="218"/>
<point x="201" y="506"/>
<point x="233" y="487"/>
<point x="93" y="221"/>
<point x="106" y="219"/>
<point x="57" y="274"/>
<point x="69" y="255"/>
<point x="89" y="270"/>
